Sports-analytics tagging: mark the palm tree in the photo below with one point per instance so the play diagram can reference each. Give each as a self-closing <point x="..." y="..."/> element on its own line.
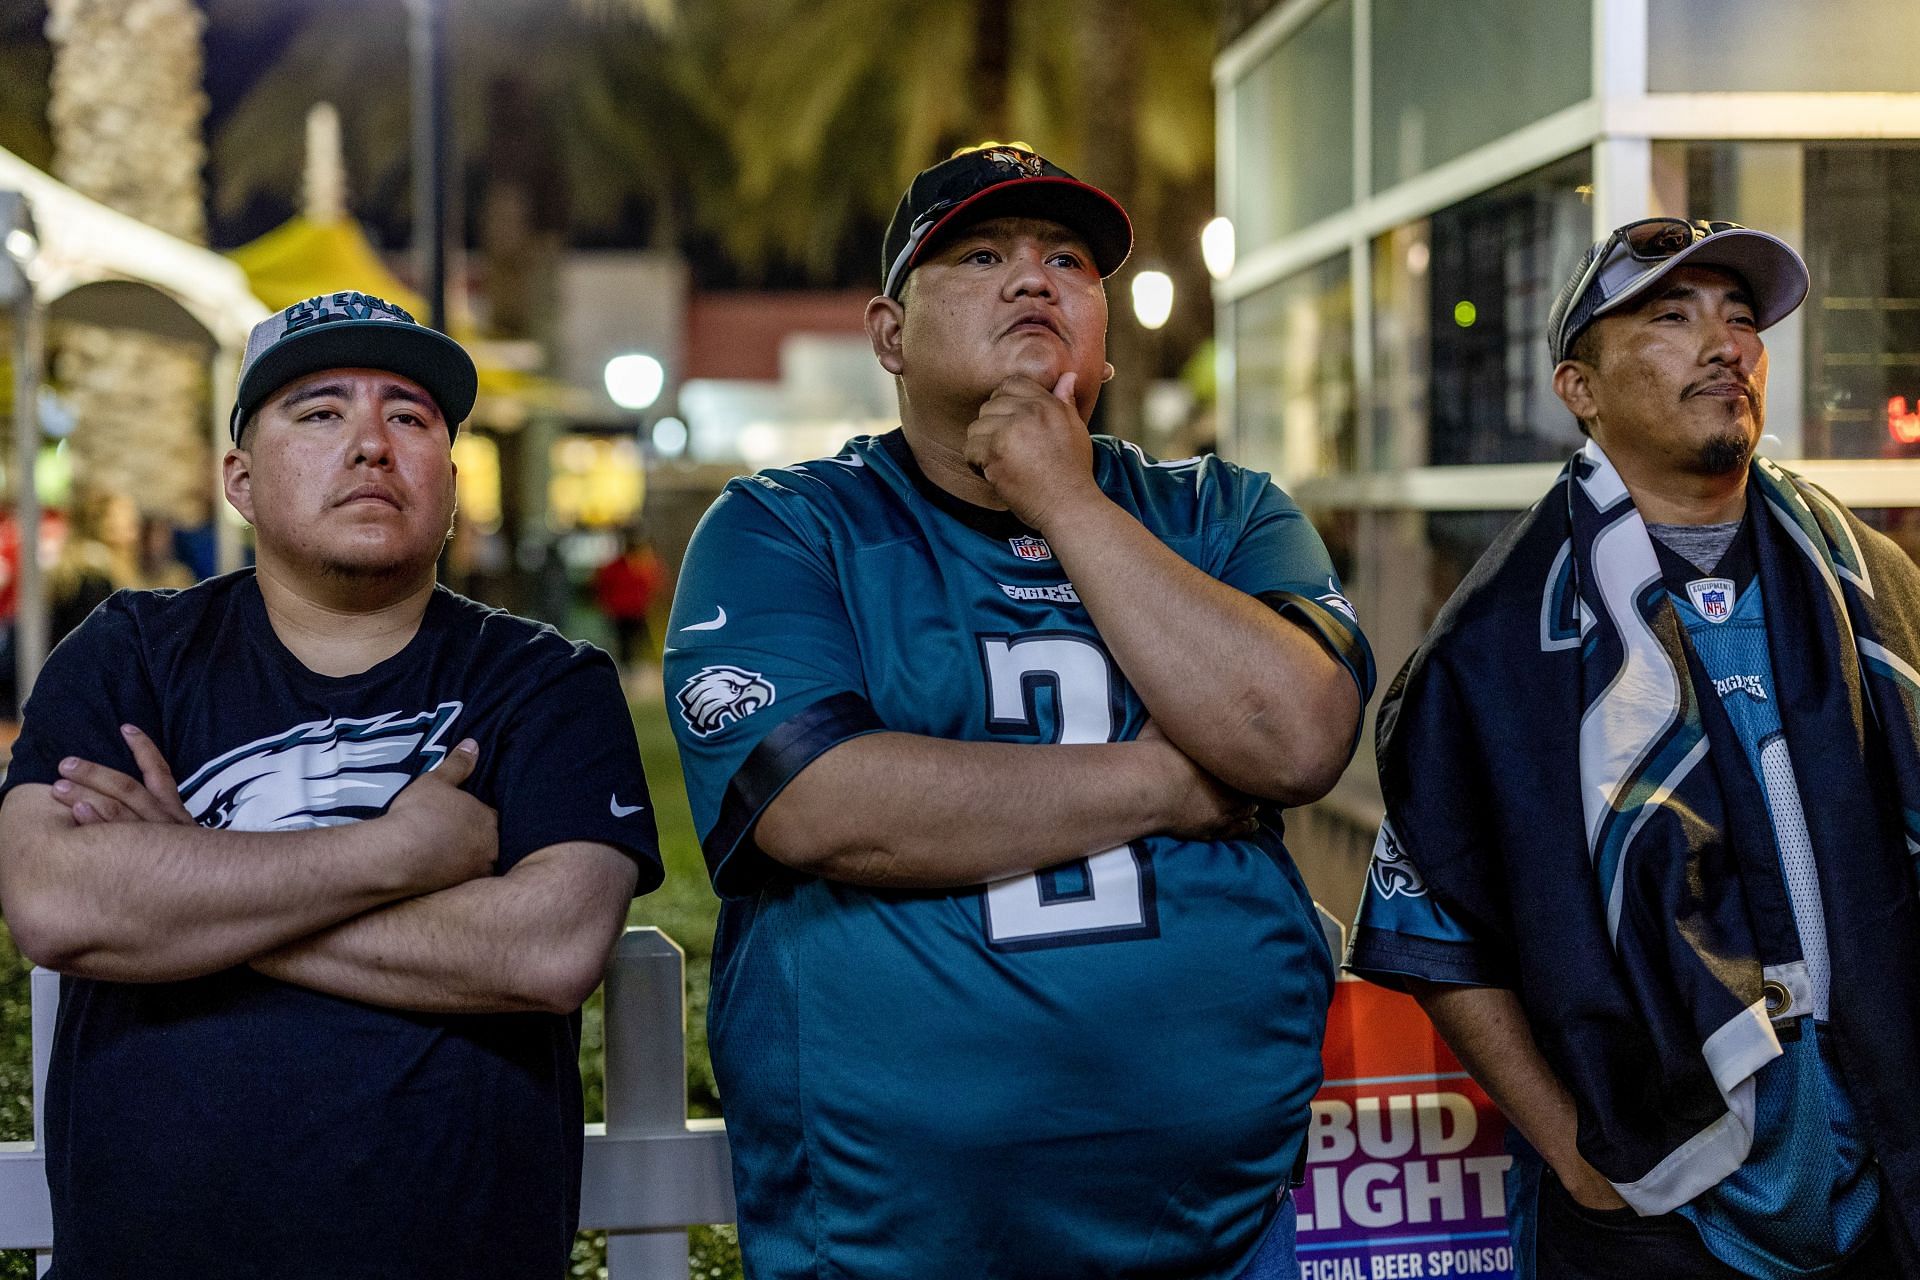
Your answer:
<point x="568" y="111"/>
<point x="832" y="120"/>
<point x="25" y="63"/>
<point x="126" y="109"/>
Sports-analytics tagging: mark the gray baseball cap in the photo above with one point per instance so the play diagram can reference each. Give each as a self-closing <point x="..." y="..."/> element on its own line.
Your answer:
<point x="1635" y="257"/>
<point x="353" y="331"/>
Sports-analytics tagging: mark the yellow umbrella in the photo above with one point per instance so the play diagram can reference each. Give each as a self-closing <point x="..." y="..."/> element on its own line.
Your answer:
<point x="303" y="257"/>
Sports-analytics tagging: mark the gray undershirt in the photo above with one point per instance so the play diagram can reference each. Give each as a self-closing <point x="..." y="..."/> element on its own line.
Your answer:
<point x="1701" y="544"/>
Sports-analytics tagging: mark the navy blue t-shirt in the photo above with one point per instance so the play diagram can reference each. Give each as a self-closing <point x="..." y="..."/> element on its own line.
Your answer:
<point x="235" y="1125"/>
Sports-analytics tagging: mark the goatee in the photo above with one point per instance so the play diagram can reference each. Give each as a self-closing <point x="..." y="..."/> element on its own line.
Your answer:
<point x="1724" y="454"/>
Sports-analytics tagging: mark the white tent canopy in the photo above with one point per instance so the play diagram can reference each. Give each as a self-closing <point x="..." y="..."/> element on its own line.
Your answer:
<point x="85" y="245"/>
<point x="95" y="265"/>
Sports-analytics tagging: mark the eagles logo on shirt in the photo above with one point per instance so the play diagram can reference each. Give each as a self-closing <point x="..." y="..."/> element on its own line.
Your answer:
<point x="715" y="697"/>
<point x="1390" y="871"/>
<point x="319" y="774"/>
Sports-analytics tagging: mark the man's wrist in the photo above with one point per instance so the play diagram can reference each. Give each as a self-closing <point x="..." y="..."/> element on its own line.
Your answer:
<point x="383" y="855"/>
<point x="1080" y="511"/>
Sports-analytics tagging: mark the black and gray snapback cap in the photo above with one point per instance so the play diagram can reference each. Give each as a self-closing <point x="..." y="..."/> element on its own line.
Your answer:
<point x="353" y="331"/>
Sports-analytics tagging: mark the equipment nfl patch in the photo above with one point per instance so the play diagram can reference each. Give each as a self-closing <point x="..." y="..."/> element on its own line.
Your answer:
<point x="1030" y="548"/>
<point x="1713" y="597"/>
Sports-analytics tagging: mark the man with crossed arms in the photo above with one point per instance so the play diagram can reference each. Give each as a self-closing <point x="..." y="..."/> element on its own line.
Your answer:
<point x="319" y="1004"/>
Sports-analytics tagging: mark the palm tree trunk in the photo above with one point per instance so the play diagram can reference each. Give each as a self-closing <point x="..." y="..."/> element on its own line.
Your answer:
<point x="126" y="110"/>
<point x="992" y="66"/>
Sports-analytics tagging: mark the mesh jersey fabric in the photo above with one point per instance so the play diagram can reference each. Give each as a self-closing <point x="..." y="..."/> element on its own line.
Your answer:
<point x="1099" y="1070"/>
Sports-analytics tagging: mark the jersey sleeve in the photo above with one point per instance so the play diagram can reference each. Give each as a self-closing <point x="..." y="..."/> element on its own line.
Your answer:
<point x="93" y="682"/>
<point x="1402" y="931"/>
<point x="1277" y="557"/>
<point x="762" y="673"/>
<point x="570" y="768"/>
<point x="1403" y="927"/>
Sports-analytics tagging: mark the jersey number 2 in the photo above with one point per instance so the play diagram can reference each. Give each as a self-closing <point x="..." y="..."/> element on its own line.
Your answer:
<point x="1106" y="897"/>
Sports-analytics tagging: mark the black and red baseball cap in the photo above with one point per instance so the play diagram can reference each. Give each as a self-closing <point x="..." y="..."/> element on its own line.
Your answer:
<point x="999" y="180"/>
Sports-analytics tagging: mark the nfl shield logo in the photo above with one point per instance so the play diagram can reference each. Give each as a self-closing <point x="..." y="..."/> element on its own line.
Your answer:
<point x="1713" y="597"/>
<point x="1030" y="548"/>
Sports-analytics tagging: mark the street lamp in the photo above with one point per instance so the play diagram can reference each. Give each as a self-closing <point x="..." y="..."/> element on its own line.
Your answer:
<point x="16" y="292"/>
<point x="634" y="381"/>
<point x="1152" y="298"/>
<point x="1216" y="247"/>
<point x="669" y="437"/>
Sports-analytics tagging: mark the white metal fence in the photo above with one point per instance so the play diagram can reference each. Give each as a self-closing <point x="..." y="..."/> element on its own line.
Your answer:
<point x="650" y="1172"/>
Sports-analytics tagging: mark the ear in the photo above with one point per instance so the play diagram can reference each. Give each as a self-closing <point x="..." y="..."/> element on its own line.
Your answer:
<point x="886" y="321"/>
<point x="1571" y="382"/>
<point x="236" y="481"/>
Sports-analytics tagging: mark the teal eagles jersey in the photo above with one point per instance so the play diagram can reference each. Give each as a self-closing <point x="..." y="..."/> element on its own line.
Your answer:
<point x="1100" y="1070"/>
<point x="1807" y="1195"/>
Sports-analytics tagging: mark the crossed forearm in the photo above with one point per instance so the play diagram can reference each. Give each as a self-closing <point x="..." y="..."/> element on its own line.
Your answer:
<point x="149" y="902"/>
<point x="535" y="939"/>
<point x="1250" y="696"/>
<point x="899" y="810"/>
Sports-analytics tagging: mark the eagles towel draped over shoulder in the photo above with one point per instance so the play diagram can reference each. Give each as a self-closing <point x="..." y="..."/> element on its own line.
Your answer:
<point x="1555" y="776"/>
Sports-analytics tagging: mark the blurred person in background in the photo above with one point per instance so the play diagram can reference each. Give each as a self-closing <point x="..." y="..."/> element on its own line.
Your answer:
<point x="99" y="554"/>
<point x="626" y="588"/>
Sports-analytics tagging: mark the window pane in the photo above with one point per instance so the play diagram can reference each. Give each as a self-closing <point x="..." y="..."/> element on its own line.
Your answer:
<point x="1707" y="46"/>
<point x="1461" y="372"/>
<point x="1293" y="375"/>
<point x="1444" y="84"/>
<point x="1845" y="368"/>
<point x="1293" y="131"/>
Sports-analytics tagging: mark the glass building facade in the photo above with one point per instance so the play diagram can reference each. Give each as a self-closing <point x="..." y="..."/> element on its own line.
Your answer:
<point x="1411" y="183"/>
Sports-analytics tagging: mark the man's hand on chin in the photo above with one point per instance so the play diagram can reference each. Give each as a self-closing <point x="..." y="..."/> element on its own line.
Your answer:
<point x="1031" y="445"/>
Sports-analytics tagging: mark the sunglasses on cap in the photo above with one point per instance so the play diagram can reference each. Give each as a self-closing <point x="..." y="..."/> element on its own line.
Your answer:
<point x="1648" y="240"/>
<point x="916" y="236"/>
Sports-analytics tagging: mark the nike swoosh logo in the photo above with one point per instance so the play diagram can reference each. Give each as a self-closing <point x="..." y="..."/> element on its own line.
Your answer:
<point x="622" y="810"/>
<point x="846" y="462"/>
<point x="718" y="621"/>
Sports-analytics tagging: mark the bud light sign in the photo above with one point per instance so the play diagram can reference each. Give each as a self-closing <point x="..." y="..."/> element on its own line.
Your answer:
<point x="1406" y="1155"/>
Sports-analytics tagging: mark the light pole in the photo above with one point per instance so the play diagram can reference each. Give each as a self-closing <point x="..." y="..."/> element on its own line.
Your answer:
<point x="16" y="291"/>
<point x="427" y="52"/>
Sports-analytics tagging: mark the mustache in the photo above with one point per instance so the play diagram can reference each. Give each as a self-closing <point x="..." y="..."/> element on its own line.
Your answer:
<point x="1739" y="380"/>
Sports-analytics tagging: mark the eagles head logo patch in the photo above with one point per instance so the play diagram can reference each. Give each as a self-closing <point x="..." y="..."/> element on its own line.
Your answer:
<point x="716" y="697"/>
<point x="319" y="774"/>
<point x="1391" y="873"/>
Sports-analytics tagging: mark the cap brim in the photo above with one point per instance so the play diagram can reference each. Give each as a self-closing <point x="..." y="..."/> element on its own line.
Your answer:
<point x="1775" y="276"/>
<point x="1090" y="212"/>
<point x="427" y="356"/>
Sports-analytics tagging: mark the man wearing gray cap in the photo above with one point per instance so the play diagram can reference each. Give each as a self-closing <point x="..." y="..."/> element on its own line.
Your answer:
<point x="328" y="858"/>
<point x="1653" y="799"/>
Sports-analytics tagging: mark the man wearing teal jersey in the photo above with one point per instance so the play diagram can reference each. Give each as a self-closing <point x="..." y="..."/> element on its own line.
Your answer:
<point x="988" y="724"/>
<point x="1653" y="800"/>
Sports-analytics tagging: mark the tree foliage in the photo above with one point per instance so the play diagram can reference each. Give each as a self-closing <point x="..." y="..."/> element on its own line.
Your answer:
<point x="609" y="76"/>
